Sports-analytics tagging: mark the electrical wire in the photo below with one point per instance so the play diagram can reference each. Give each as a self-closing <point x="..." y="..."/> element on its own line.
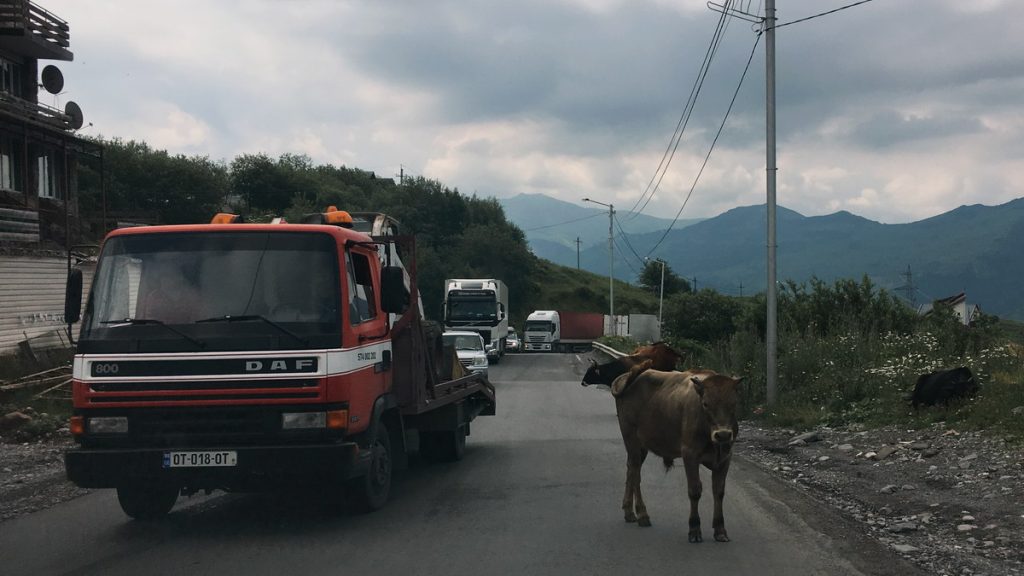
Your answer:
<point x="625" y="238"/>
<point x="696" y="179"/>
<point x="632" y="269"/>
<point x="684" y="117"/>
<point x="595" y="215"/>
<point x="799" y="20"/>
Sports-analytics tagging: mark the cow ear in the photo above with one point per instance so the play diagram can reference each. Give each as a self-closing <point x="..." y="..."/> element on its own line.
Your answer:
<point x="697" y="385"/>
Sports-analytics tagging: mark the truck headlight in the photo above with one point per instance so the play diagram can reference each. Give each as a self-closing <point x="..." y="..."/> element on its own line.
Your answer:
<point x="480" y="361"/>
<point x="296" y="420"/>
<point x="109" y="425"/>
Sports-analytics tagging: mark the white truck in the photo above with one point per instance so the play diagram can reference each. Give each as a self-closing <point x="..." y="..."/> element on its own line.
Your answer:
<point x="479" y="305"/>
<point x="561" y="330"/>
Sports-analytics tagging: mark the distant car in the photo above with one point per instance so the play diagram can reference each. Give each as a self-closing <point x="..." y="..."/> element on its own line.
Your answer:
<point x="512" y="343"/>
<point x="470" y="348"/>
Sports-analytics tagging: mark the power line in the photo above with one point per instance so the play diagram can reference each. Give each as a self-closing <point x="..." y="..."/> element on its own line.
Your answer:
<point x="595" y="215"/>
<point x="625" y="238"/>
<point x="753" y="49"/>
<point x="684" y="118"/>
<point x="841" y="8"/>
<point x="635" y="273"/>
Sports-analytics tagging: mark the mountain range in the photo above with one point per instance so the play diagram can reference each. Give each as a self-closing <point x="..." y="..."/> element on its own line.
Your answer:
<point x="552" y="226"/>
<point x="974" y="249"/>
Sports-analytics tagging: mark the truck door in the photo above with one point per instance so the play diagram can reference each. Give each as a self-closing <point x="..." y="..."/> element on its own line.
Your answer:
<point x="366" y="336"/>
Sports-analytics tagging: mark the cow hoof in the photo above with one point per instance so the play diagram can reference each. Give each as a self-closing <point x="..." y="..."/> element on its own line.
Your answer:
<point x="644" y="522"/>
<point x="696" y="537"/>
<point x="630" y="517"/>
<point x="721" y="536"/>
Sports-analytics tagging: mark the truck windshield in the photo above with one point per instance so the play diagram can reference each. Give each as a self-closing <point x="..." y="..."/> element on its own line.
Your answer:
<point x="188" y="281"/>
<point x="474" y="308"/>
<point x="540" y="326"/>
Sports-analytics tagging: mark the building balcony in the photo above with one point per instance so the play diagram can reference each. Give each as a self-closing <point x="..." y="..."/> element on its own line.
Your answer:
<point x="33" y="112"/>
<point x="29" y="30"/>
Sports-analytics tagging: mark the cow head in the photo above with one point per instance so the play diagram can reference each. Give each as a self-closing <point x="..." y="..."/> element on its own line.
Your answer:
<point x="593" y="374"/>
<point x="719" y="396"/>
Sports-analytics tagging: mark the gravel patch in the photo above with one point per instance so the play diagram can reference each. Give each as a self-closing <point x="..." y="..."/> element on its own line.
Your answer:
<point x="949" y="501"/>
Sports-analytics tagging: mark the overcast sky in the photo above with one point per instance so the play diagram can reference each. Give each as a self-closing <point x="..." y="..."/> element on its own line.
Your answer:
<point x="896" y="110"/>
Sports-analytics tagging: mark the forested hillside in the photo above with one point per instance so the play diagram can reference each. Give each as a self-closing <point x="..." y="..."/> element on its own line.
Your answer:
<point x="457" y="235"/>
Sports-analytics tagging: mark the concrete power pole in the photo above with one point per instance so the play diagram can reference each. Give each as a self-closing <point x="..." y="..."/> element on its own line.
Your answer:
<point x="772" y="329"/>
<point x="611" y="261"/>
<point x="577" y="252"/>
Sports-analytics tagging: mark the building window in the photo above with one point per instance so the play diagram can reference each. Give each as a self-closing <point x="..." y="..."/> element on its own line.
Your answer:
<point x="47" y="176"/>
<point x="10" y="164"/>
<point x="10" y="78"/>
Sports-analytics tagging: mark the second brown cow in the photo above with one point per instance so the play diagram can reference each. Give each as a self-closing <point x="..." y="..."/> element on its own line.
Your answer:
<point x="689" y="415"/>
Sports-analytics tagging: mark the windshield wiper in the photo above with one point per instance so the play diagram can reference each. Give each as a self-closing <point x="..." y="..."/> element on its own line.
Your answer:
<point x="250" y="318"/>
<point x="145" y="321"/>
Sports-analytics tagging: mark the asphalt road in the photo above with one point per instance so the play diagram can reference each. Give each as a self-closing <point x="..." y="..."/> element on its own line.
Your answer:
<point x="538" y="493"/>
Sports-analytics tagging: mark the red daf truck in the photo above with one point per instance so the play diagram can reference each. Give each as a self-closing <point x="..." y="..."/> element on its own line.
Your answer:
<point x="258" y="356"/>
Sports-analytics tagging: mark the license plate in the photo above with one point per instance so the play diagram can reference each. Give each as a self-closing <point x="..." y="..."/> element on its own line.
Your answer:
<point x="205" y="459"/>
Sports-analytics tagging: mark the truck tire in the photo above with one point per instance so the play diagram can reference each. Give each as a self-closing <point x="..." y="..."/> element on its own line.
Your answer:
<point x="447" y="446"/>
<point x="370" y="492"/>
<point x="147" y="501"/>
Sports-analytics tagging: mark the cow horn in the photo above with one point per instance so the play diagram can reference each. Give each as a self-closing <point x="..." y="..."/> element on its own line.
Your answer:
<point x="592" y="361"/>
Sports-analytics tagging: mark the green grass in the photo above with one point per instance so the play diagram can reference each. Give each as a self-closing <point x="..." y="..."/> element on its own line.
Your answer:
<point x="50" y="414"/>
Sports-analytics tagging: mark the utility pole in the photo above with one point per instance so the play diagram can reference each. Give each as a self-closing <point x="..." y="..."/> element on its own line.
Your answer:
<point x="577" y="252"/>
<point x="771" y="328"/>
<point x="771" y="290"/>
<point x="661" y="294"/>
<point x="401" y="174"/>
<point x="611" y="261"/>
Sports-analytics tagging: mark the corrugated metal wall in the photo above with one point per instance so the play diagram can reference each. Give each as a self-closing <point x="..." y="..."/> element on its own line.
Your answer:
<point x="32" y="300"/>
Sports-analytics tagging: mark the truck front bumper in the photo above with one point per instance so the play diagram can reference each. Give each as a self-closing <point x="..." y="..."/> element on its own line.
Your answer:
<point x="538" y="346"/>
<point x="256" y="466"/>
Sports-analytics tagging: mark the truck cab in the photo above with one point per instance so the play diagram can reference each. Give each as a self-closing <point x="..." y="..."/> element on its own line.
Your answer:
<point x="542" y="331"/>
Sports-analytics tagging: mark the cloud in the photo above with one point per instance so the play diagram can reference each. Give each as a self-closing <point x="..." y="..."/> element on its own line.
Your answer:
<point x="893" y="110"/>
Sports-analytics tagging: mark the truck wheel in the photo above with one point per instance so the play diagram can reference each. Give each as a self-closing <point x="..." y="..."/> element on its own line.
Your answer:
<point x="371" y="492"/>
<point x="450" y="446"/>
<point x="147" y="501"/>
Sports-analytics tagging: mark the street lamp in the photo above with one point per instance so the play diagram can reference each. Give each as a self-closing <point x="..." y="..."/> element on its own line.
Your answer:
<point x="661" y="295"/>
<point x="611" y="263"/>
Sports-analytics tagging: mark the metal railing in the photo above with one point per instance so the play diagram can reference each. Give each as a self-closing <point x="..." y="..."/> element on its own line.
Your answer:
<point x="35" y="111"/>
<point x="24" y="15"/>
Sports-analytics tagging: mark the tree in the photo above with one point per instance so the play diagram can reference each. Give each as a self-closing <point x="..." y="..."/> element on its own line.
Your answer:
<point x="650" y="278"/>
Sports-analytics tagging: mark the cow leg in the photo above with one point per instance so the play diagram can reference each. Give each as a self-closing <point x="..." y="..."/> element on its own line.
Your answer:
<point x="642" y="518"/>
<point x="718" y="475"/>
<point x="693" y="489"/>
<point x="634" y="460"/>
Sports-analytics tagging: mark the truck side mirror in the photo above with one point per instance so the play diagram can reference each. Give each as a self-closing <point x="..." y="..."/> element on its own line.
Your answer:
<point x="394" y="295"/>
<point x="73" y="297"/>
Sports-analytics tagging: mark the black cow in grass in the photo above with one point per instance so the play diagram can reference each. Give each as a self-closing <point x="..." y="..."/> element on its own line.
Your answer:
<point x="942" y="386"/>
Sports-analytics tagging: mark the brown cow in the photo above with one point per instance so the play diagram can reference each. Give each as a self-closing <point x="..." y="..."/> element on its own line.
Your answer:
<point x="689" y="415"/>
<point x="662" y="357"/>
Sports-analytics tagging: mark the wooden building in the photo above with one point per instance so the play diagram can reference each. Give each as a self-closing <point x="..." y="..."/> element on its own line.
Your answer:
<point x="40" y="223"/>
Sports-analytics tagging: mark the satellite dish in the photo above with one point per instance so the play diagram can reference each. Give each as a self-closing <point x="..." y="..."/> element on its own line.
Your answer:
<point x="72" y="110"/>
<point x="53" y="80"/>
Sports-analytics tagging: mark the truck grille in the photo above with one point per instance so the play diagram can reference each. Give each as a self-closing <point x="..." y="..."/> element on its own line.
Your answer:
<point x="536" y="339"/>
<point x="152" y="391"/>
